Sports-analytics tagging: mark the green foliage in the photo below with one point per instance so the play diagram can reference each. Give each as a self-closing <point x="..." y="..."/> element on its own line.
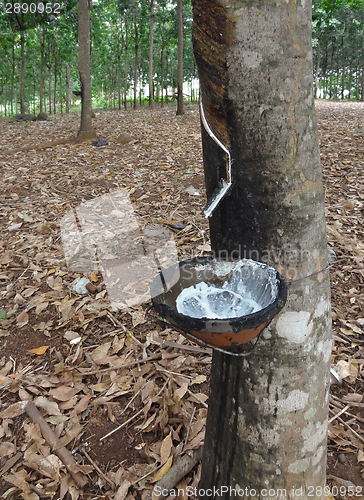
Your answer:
<point x="338" y="39"/>
<point x="116" y="27"/>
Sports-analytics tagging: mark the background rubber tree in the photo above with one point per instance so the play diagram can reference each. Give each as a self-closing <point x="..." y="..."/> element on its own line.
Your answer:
<point x="86" y="131"/>
<point x="267" y="417"/>
<point x="180" y="110"/>
<point x="151" y="40"/>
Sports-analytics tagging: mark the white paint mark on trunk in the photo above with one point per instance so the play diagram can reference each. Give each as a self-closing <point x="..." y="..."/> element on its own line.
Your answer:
<point x="295" y="326"/>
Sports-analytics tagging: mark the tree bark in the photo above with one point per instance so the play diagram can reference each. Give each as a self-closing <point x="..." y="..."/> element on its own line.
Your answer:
<point x="49" y="66"/>
<point x="16" y="99"/>
<point x="34" y="84"/>
<point x="67" y="90"/>
<point x="13" y="76"/>
<point x="86" y="131"/>
<point x="267" y="418"/>
<point x="150" y="76"/>
<point x="5" y="96"/>
<point x="55" y="84"/>
<point x="350" y="76"/>
<point x="162" y="76"/>
<point x="60" y="88"/>
<point x="50" y="90"/>
<point x="22" y="69"/>
<point x="180" y="110"/>
<point x="331" y="69"/>
<point x="118" y="69"/>
<point x="41" y="83"/>
<point x="343" y="70"/>
<point x="126" y="61"/>
<point x="166" y="78"/>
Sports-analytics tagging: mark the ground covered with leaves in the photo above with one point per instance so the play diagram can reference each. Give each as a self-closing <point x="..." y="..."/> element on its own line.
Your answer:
<point x="82" y="373"/>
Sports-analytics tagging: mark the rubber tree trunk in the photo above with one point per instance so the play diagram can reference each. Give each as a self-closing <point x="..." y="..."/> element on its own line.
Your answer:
<point x="22" y="70"/>
<point x="86" y="131"/>
<point x="67" y="89"/>
<point x="343" y="69"/>
<point x="13" y="63"/>
<point x="55" y="84"/>
<point x="162" y="74"/>
<point x="60" y="89"/>
<point x="50" y="88"/>
<point x="118" y="70"/>
<point x="41" y="83"/>
<point x="350" y="78"/>
<point x="5" y="95"/>
<point x="267" y="417"/>
<point x="331" y="68"/>
<point x="180" y="110"/>
<point x="150" y="76"/>
<point x="126" y="61"/>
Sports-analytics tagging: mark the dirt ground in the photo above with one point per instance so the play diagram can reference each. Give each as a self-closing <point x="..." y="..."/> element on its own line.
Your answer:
<point x="91" y="366"/>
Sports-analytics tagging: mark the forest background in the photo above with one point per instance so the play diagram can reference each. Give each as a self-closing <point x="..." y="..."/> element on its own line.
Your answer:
<point x="39" y="51"/>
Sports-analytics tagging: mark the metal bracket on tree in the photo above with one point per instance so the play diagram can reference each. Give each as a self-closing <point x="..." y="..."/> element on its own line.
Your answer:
<point x="224" y="185"/>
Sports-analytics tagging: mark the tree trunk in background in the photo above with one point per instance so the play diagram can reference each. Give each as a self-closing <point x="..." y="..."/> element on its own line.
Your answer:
<point x="343" y="81"/>
<point x="50" y="90"/>
<point x="126" y="61"/>
<point x="34" y="83"/>
<point x="331" y="69"/>
<point x="362" y="79"/>
<point x="343" y="70"/>
<point x="162" y="77"/>
<point x="114" y="79"/>
<point x="317" y="65"/>
<point x="60" y="88"/>
<point x="150" y="76"/>
<point x="5" y="98"/>
<point x="55" y="85"/>
<point x="167" y="78"/>
<point x="267" y="415"/>
<point x="22" y="69"/>
<point x="135" y="61"/>
<point x="172" y="82"/>
<point x="350" y="76"/>
<point x="118" y="72"/>
<point x="180" y="110"/>
<point x="337" y="75"/>
<point x="67" y="90"/>
<point x="12" y="77"/>
<point x="41" y="83"/>
<point x="110" y="91"/>
<point x="357" y="82"/>
<point x="16" y="99"/>
<point x="86" y="131"/>
<point x="140" y="89"/>
<point x="49" y="66"/>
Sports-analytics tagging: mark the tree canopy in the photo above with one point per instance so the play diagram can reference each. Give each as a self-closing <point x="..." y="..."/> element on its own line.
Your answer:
<point x="40" y="39"/>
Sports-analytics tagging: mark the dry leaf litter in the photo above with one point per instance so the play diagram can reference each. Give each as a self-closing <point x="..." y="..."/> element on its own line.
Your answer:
<point x="100" y="402"/>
